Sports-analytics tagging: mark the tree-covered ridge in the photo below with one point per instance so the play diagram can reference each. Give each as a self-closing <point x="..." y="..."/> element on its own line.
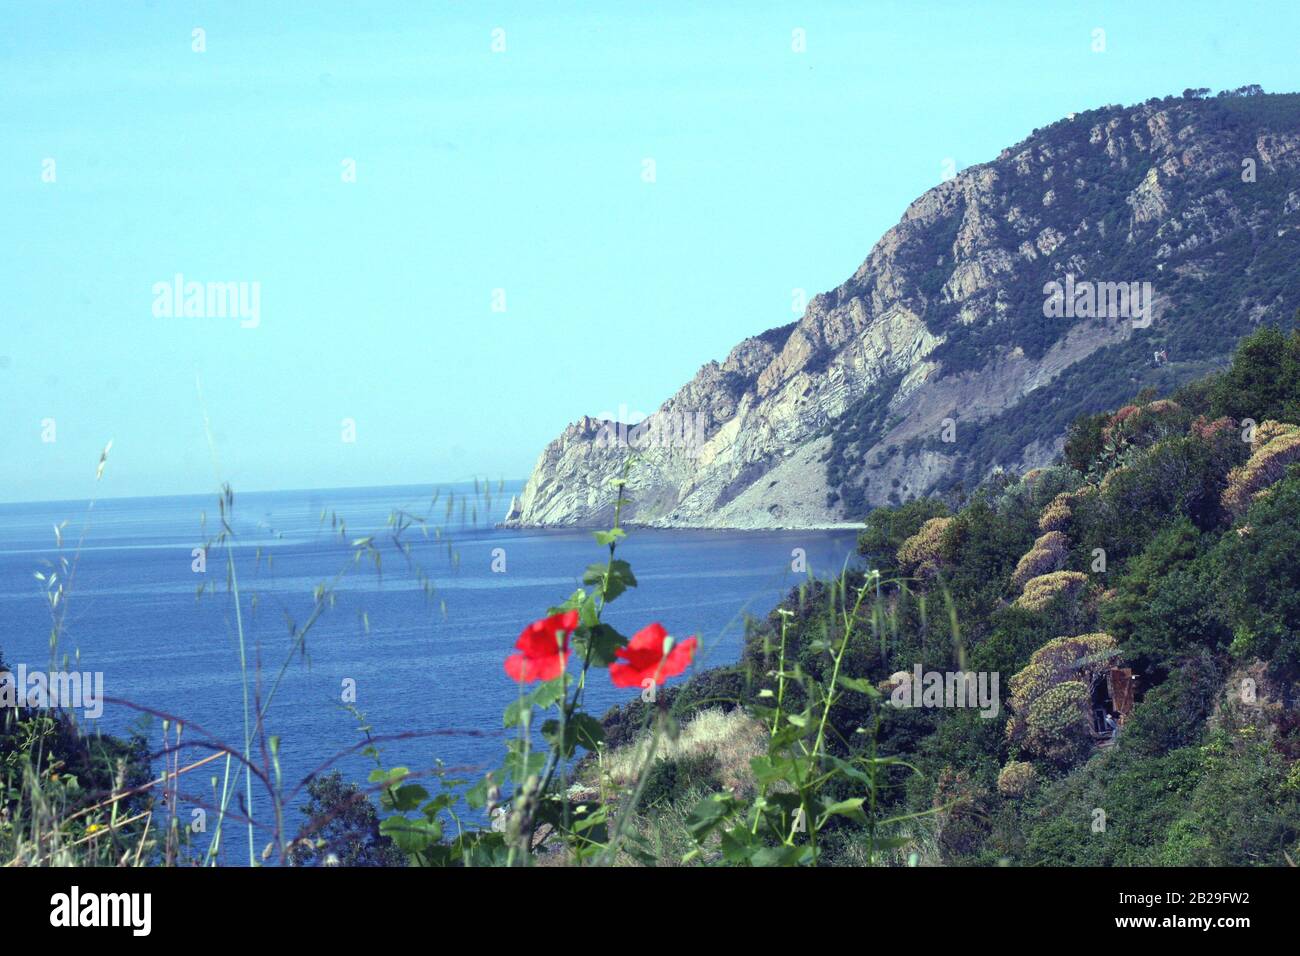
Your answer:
<point x="1163" y="541"/>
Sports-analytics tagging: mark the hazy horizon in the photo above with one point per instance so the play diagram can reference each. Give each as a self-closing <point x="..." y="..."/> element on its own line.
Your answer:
<point x="271" y="491"/>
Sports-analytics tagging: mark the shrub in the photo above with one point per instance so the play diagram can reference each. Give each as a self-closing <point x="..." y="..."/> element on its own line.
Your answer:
<point x="1056" y="725"/>
<point x="1140" y="796"/>
<point x="1042" y="591"/>
<point x="670" y="780"/>
<point x="1258" y="577"/>
<point x="1153" y="422"/>
<point x="1085" y="441"/>
<point x="922" y="555"/>
<point x="887" y="528"/>
<point x="1172" y="715"/>
<point x="1014" y="635"/>
<point x="1049" y="697"/>
<point x="1242" y="811"/>
<point x="723" y="688"/>
<point x="1016" y="779"/>
<point x="1048" y="554"/>
<point x="1056" y="516"/>
<point x="342" y="828"/>
<point x="1178" y="477"/>
<point x="1164" y="606"/>
<point x="1264" y="379"/>
<point x="962" y="806"/>
<point x="1066" y="658"/>
<point x="1278" y="447"/>
<point x="715" y="746"/>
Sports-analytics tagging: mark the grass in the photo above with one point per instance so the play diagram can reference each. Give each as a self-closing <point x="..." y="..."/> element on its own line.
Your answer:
<point x="731" y="738"/>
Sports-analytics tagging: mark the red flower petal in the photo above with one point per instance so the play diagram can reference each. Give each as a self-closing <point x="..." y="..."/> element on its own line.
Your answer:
<point x="679" y="658"/>
<point x="526" y="669"/>
<point x="643" y="658"/>
<point x="542" y="651"/>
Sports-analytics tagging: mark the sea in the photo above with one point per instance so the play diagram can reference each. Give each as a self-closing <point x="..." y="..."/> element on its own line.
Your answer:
<point x="367" y="613"/>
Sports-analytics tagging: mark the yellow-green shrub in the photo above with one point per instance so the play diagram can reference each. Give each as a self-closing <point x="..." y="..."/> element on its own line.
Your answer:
<point x="1043" y="715"/>
<point x="1047" y="555"/>
<point x="1042" y="590"/>
<point x="1278" y="446"/>
<point x="922" y="554"/>
<point x="1017" y="778"/>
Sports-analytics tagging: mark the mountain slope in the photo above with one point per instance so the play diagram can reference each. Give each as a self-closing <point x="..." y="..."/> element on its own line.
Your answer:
<point x="937" y="362"/>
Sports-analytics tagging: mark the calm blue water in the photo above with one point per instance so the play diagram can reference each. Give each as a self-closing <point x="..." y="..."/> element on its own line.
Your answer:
<point x="132" y="613"/>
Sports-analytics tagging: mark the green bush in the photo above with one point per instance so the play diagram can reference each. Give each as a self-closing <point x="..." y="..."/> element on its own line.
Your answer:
<point x="1244" y="810"/>
<point x="671" y="781"/>
<point x="1164" y="605"/>
<point x="1258" y="576"/>
<point x="1264" y="379"/>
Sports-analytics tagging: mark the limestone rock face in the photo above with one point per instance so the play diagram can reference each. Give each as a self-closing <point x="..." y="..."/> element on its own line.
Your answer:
<point x="943" y="325"/>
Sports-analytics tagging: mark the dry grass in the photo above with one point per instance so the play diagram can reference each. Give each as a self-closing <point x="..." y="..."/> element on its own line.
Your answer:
<point x="731" y="738"/>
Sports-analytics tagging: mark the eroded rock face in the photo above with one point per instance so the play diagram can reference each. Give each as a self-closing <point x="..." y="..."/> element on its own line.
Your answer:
<point x="946" y="313"/>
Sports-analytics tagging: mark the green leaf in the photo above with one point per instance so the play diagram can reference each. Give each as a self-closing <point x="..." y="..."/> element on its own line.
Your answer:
<point x="587" y="731"/>
<point x="443" y="801"/>
<point x="845" y="808"/>
<point x="476" y="796"/>
<point x="520" y="767"/>
<point x="514" y="713"/>
<point x="639" y="852"/>
<point x="893" y="843"/>
<point x="389" y="777"/>
<point x="546" y="695"/>
<point x="859" y="684"/>
<point x="768" y="770"/>
<point x="614" y="578"/>
<point x="601" y="642"/>
<point x="411" y="836"/>
<point x="583" y="603"/>
<point x="709" y="814"/>
<point x="738" y="845"/>
<point x="549" y="693"/>
<point x="782" y="855"/>
<point x="403" y="798"/>
<point x="582" y="730"/>
<point x="609" y="537"/>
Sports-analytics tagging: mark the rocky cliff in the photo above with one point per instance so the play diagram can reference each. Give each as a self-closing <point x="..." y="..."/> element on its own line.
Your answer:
<point x="1163" y="232"/>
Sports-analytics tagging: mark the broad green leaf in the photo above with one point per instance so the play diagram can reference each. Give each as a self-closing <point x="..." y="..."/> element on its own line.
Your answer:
<point x="516" y="711"/>
<point x="709" y="814"/>
<point x="845" y="808"/>
<point x="403" y="798"/>
<point x="548" y="693"/>
<point x="582" y="730"/>
<point x="614" y="578"/>
<point x="782" y="855"/>
<point x="411" y="836"/>
<point x="603" y="641"/>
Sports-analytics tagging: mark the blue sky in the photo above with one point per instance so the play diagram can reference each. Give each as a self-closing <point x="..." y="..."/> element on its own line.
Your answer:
<point x="476" y="170"/>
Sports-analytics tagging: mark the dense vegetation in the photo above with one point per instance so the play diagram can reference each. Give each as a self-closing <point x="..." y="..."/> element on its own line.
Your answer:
<point x="54" y="779"/>
<point x="1164" y="541"/>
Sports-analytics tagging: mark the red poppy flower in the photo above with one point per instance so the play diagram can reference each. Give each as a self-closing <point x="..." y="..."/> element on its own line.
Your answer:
<point x="644" y="658"/>
<point x="543" y="652"/>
